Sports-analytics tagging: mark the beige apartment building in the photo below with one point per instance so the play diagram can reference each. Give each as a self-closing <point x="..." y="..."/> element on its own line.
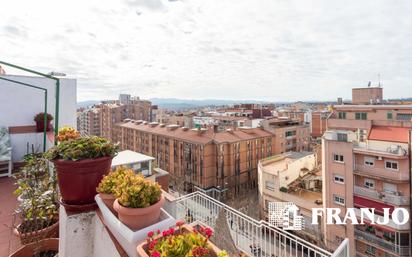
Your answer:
<point x="293" y="177"/>
<point x="366" y="164"/>
<point x="89" y="122"/>
<point x="291" y="135"/>
<point x="203" y="157"/>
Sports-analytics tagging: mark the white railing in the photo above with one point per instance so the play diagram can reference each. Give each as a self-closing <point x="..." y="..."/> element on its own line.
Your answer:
<point x="246" y="231"/>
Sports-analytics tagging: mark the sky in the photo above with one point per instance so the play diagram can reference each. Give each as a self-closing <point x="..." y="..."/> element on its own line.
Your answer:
<point x="271" y="50"/>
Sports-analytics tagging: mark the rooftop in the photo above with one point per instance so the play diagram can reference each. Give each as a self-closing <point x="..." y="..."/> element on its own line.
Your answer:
<point x="274" y="164"/>
<point x="130" y="157"/>
<point x="200" y="136"/>
<point x="388" y="133"/>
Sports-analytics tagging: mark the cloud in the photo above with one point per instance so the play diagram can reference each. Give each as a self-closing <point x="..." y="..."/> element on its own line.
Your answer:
<point x="267" y="49"/>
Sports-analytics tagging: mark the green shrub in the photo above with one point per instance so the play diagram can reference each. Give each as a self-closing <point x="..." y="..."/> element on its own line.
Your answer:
<point x="82" y="148"/>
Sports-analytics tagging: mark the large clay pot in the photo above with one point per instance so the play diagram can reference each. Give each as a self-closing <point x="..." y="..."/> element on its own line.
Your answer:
<point x="40" y="126"/>
<point x="108" y="200"/>
<point x="44" y="245"/>
<point x="138" y="218"/>
<point x="51" y="231"/>
<point x="78" y="179"/>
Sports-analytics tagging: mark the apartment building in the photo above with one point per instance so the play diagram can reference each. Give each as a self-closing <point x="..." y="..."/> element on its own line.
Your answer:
<point x="366" y="164"/>
<point x="89" y="121"/>
<point x="202" y="157"/>
<point x="100" y="119"/>
<point x="291" y="135"/>
<point x="293" y="177"/>
<point x="318" y="123"/>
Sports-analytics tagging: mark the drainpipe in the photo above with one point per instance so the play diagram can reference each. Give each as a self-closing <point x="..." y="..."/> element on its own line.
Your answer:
<point x="410" y="187"/>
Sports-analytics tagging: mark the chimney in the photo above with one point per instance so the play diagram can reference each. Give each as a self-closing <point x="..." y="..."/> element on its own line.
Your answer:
<point x="215" y="128"/>
<point x="340" y="101"/>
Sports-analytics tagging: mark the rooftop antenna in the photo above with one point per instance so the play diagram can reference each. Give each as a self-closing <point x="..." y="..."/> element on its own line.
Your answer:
<point x="369" y="84"/>
<point x="379" y="79"/>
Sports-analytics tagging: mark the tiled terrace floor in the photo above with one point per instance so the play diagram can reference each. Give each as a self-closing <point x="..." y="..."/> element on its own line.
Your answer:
<point x="8" y="242"/>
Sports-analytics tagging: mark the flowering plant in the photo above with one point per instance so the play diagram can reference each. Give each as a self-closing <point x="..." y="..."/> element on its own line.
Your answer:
<point x="112" y="180"/>
<point x="40" y="117"/>
<point x="134" y="191"/>
<point x="175" y="243"/>
<point x="67" y="133"/>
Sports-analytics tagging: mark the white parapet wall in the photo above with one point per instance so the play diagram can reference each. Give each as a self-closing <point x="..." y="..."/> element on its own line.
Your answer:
<point x="19" y="104"/>
<point x="84" y="235"/>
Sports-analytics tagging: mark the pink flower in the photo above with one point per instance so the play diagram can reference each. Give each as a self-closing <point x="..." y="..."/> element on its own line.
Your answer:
<point x="171" y="231"/>
<point x="155" y="254"/>
<point x="208" y="232"/>
<point x="150" y="234"/>
<point x="158" y="231"/>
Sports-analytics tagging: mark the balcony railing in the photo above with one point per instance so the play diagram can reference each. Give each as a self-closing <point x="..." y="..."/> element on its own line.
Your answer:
<point x="382" y="173"/>
<point x="245" y="231"/>
<point x="382" y="196"/>
<point x="370" y="238"/>
<point x="390" y="224"/>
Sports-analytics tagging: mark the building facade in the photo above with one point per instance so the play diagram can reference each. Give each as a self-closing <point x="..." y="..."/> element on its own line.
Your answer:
<point x="291" y="135"/>
<point x="203" y="157"/>
<point x="366" y="164"/>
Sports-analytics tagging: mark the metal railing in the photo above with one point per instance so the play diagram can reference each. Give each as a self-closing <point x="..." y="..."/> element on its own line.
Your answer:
<point x="388" y="245"/>
<point x="246" y="231"/>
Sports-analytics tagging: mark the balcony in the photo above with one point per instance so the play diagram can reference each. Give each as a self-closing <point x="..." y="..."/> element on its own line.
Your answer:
<point x="388" y="245"/>
<point x="379" y="173"/>
<point x="391" y="224"/>
<point x="381" y="196"/>
<point x="387" y="150"/>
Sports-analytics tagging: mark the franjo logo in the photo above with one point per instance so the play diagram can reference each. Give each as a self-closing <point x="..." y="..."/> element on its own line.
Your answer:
<point x="287" y="216"/>
<point x="399" y="216"/>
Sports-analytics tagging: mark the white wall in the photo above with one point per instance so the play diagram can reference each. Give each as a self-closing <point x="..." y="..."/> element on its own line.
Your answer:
<point x="19" y="105"/>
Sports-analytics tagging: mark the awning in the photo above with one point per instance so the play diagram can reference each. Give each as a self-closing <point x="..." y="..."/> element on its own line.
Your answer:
<point x="366" y="203"/>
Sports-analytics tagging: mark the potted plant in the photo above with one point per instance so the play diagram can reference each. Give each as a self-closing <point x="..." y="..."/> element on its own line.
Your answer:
<point x="38" y="208"/>
<point x="46" y="247"/>
<point x="39" y="119"/>
<point x="138" y="201"/>
<point x="81" y="164"/>
<point x="109" y="183"/>
<point x="182" y="241"/>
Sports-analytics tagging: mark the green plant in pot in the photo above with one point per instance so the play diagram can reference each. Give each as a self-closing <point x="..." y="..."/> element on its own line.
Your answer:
<point x="40" y="122"/>
<point x="138" y="201"/>
<point x="81" y="164"/>
<point x="38" y="209"/>
<point x="110" y="182"/>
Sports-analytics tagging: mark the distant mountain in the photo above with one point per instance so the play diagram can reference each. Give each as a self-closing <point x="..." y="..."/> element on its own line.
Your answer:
<point x="85" y="104"/>
<point x="179" y="104"/>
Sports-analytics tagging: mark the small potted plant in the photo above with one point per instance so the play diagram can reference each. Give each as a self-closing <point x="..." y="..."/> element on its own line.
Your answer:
<point x="109" y="183"/>
<point x="44" y="247"/>
<point x="39" y="119"/>
<point x="180" y="241"/>
<point x="138" y="201"/>
<point x="81" y="164"/>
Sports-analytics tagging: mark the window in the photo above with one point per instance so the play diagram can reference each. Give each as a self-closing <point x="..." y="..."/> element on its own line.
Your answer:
<point x="370" y="250"/>
<point x="369" y="161"/>
<point x="342" y="115"/>
<point x="391" y="165"/>
<point x="361" y="116"/>
<point x="369" y="183"/>
<point x="389" y="115"/>
<point x="404" y="116"/>
<point x="338" y="179"/>
<point x="339" y="199"/>
<point x="270" y="185"/>
<point x="342" y="137"/>
<point x="290" y="133"/>
<point x="337" y="158"/>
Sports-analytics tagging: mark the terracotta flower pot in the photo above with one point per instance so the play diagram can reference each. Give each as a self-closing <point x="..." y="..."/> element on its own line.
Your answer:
<point x="138" y="218"/>
<point x="44" y="245"/>
<point x="51" y="231"/>
<point x="40" y="126"/>
<point x="78" y="179"/>
<point x="108" y="200"/>
<point x="142" y="247"/>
